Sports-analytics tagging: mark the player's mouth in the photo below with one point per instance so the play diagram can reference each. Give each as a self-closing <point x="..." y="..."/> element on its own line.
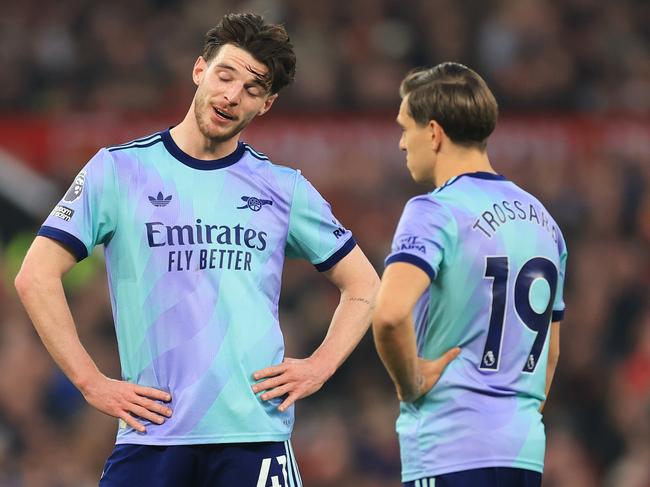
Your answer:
<point x="223" y="114"/>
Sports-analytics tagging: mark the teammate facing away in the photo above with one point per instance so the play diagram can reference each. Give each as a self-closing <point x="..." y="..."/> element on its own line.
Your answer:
<point x="479" y="264"/>
<point x="195" y="226"/>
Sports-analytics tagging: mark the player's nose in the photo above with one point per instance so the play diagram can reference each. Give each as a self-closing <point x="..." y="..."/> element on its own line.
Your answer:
<point x="233" y="93"/>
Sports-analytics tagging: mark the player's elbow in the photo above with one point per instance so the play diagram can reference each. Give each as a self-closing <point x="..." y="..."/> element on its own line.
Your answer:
<point x="24" y="282"/>
<point x="387" y="320"/>
<point x="28" y="280"/>
<point x="366" y="284"/>
<point x="364" y="281"/>
<point x="372" y="284"/>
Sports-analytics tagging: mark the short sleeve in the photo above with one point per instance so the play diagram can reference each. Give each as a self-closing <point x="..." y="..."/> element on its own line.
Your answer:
<point x="558" y="304"/>
<point x="314" y="233"/>
<point x="85" y="216"/>
<point x="423" y="236"/>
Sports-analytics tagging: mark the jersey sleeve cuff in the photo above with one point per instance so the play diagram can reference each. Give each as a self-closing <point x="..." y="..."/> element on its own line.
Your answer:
<point x="71" y="242"/>
<point x="557" y="315"/>
<point x="333" y="259"/>
<point x="414" y="260"/>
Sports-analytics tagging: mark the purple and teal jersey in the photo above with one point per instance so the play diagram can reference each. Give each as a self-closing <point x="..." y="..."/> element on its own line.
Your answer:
<point x="496" y="260"/>
<point x="194" y="255"/>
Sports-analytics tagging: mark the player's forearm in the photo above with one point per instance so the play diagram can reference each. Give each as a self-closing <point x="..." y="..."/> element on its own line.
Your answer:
<point x="349" y="324"/>
<point x="44" y="299"/>
<point x="395" y="342"/>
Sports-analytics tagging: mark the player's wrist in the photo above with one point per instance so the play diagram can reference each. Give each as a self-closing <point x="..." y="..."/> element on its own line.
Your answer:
<point x="86" y="381"/>
<point x="324" y="365"/>
<point x="413" y="390"/>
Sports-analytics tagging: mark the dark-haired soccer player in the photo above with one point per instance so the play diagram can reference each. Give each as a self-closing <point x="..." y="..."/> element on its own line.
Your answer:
<point x="478" y="263"/>
<point x="195" y="226"/>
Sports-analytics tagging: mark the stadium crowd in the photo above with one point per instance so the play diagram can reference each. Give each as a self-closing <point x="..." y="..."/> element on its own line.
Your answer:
<point x="560" y="55"/>
<point x="536" y="54"/>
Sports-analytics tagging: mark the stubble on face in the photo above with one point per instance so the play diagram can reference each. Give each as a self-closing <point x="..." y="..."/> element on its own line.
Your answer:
<point x="203" y="111"/>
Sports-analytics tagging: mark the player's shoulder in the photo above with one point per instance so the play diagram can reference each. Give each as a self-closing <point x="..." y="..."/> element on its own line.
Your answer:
<point x="537" y="202"/>
<point x="440" y="199"/>
<point x="136" y="144"/>
<point x="426" y="207"/>
<point x="526" y="202"/>
<point x="265" y="161"/>
<point x="270" y="170"/>
<point x="427" y="200"/>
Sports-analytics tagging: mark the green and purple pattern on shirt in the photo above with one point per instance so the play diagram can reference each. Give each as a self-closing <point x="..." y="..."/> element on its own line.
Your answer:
<point x="496" y="260"/>
<point x="194" y="255"/>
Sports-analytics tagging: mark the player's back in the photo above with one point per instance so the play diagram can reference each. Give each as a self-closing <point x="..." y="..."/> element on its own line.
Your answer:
<point x="497" y="265"/>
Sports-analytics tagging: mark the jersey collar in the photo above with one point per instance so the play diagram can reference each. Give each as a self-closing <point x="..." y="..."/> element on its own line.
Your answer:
<point x="488" y="176"/>
<point x="204" y="165"/>
<point x="484" y="175"/>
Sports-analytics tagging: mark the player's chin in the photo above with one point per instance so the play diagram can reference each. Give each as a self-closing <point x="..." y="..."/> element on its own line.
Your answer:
<point x="218" y="133"/>
<point x="419" y="177"/>
<point x="413" y="173"/>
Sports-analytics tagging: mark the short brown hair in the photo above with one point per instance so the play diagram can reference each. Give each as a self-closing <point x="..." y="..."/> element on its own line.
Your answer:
<point x="267" y="43"/>
<point x="454" y="96"/>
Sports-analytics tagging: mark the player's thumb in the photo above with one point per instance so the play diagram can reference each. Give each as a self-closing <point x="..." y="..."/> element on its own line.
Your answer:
<point x="450" y="355"/>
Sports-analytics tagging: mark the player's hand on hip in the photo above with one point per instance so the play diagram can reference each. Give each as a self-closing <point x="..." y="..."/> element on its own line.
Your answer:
<point x="128" y="401"/>
<point x="293" y="378"/>
<point x="429" y="372"/>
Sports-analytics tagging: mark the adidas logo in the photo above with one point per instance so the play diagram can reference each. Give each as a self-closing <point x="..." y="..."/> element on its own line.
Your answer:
<point x="160" y="200"/>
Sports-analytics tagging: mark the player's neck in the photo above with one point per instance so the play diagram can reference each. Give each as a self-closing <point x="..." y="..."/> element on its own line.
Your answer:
<point x="455" y="161"/>
<point x="190" y="140"/>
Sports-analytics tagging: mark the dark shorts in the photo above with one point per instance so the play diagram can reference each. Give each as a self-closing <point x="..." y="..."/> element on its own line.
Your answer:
<point x="482" y="477"/>
<point x="227" y="465"/>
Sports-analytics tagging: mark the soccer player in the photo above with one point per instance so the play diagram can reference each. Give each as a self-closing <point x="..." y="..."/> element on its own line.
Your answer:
<point x="475" y="277"/>
<point x="195" y="226"/>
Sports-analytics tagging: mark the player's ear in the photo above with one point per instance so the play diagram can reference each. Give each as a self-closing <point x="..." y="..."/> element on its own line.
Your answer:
<point x="436" y="132"/>
<point x="200" y="67"/>
<point x="267" y="104"/>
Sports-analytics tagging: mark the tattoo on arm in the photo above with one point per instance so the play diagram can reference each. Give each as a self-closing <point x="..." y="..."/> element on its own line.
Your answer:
<point x="361" y="300"/>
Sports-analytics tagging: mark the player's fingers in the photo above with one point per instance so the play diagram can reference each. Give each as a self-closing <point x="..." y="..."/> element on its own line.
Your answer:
<point x="277" y="392"/>
<point x="156" y="407"/>
<point x="449" y="355"/>
<point x="146" y="414"/>
<point x="267" y="384"/>
<point x="152" y="393"/>
<point x="269" y="371"/>
<point x="291" y="398"/>
<point x="132" y="422"/>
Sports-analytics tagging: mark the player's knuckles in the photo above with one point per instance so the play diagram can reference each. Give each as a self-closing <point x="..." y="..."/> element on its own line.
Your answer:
<point x="153" y="407"/>
<point x="124" y="403"/>
<point x="268" y="384"/>
<point x="272" y="395"/>
<point x="156" y="418"/>
<point x="270" y="373"/>
<point x="159" y="408"/>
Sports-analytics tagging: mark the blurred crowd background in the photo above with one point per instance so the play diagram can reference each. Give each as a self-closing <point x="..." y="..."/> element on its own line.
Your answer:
<point x="133" y="55"/>
<point x="573" y="81"/>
